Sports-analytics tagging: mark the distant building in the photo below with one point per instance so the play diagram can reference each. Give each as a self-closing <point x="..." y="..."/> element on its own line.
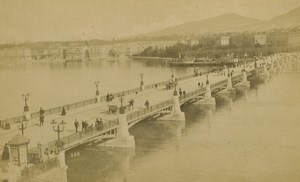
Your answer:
<point x="294" y="39"/>
<point x="260" y="39"/>
<point x="74" y="53"/>
<point x="277" y="39"/>
<point x="225" y="40"/>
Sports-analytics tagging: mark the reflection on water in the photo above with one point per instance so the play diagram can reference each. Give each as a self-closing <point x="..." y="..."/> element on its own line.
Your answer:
<point x="253" y="136"/>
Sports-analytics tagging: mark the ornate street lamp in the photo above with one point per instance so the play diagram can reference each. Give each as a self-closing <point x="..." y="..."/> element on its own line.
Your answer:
<point x="207" y="81"/>
<point x="122" y="99"/>
<point x="122" y="109"/>
<point x="175" y="87"/>
<point x="58" y="128"/>
<point x="142" y="76"/>
<point x="25" y="98"/>
<point x="97" y="87"/>
<point x="142" y="81"/>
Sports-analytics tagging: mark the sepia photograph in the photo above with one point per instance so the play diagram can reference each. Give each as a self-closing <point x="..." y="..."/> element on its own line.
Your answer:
<point x="149" y="90"/>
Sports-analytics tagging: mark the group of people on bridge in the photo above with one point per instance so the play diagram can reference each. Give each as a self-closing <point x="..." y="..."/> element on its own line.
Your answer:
<point x="86" y="127"/>
<point x="109" y="97"/>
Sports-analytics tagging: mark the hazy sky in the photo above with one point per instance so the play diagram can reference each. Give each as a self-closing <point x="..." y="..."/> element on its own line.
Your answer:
<point x="34" y="20"/>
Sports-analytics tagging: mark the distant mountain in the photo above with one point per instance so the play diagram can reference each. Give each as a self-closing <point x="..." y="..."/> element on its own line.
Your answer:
<point x="222" y="23"/>
<point x="285" y="21"/>
<point x="232" y="23"/>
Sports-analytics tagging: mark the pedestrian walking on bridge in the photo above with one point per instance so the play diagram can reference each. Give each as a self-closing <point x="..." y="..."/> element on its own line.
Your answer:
<point x="76" y="124"/>
<point x="82" y="125"/>
<point x="131" y="103"/>
<point x="41" y="120"/>
<point x="42" y="112"/>
<point x="147" y="104"/>
<point x="63" y="112"/>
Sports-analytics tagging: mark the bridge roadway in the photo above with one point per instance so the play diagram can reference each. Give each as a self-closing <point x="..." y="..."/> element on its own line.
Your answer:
<point x="89" y="113"/>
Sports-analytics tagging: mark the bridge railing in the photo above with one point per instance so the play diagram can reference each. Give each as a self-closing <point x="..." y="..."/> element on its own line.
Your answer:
<point x="76" y="136"/>
<point x="83" y="134"/>
<point x="144" y="112"/>
<point x="83" y="103"/>
<point x="31" y="171"/>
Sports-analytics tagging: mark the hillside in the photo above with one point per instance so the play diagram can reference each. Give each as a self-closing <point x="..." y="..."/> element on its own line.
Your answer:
<point x="231" y="23"/>
<point x="284" y="21"/>
<point x="222" y="23"/>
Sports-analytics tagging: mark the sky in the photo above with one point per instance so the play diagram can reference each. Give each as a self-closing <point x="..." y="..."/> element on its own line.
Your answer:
<point x="42" y="20"/>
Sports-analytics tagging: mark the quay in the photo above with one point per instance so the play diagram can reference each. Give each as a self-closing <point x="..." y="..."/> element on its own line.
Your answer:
<point x="41" y="151"/>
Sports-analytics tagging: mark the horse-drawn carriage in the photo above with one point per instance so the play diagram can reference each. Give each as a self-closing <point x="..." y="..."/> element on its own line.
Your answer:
<point x="171" y="84"/>
<point x="112" y="109"/>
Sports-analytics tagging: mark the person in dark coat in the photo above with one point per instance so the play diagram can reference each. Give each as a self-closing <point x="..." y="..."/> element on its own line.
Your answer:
<point x="82" y="125"/>
<point x="147" y="104"/>
<point x="107" y="97"/>
<point x="42" y="120"/>
<point x="5" y="153"/>
<point x="76" y="124"/>
<point x="42" y="112"/>
<point x="63" y="112"/>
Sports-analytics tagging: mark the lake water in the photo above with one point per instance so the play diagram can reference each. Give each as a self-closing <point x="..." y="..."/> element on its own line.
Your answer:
<point x="52" y="84"/>
<point x="253" y="136"/>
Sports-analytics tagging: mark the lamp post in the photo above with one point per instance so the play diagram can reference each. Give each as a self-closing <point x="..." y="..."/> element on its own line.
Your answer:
<point x="121" y="99"/>
<point x="175" y="87"/>
<point x="122" y="109"/>
<point x="97" y="87"/>
<point x="142" y="76"/>
<point x="58" y="128"/>
<point x="25" y="98"/>
<point x="22" y="126"/>
<point x="142" y="81"/>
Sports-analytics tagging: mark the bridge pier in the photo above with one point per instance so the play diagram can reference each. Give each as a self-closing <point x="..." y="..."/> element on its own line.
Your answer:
<point x="245" y="80"/>
<point x="123" y="139"/>
<point x="98" y="98"/>
<point x="176" y="113"/>
<point x="62" y="166"/>
<point x="229" y="89"/>
<point x="265" y="74"/>
<point x="14" y="172"/>
<point x="208" y="99"/>
<point x="142" y="87"/>
<point x="27" y="115"/>
<point x="279" y="67"/>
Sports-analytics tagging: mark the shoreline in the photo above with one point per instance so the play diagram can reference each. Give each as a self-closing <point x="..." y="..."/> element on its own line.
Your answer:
<point x="151" y="58"/>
